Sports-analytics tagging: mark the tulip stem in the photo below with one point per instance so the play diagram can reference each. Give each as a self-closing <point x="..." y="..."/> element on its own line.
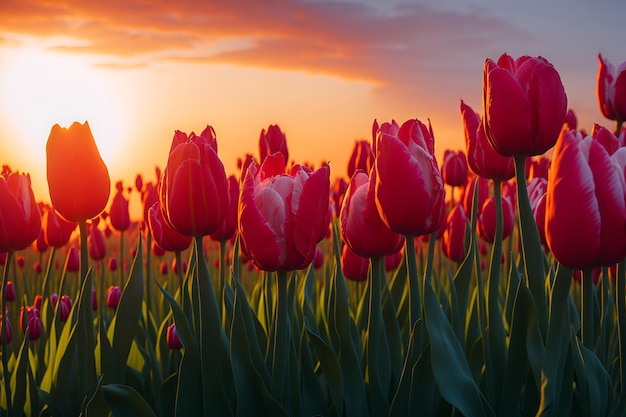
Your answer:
<point x="222" y="269"/>
<point x="4" y="332"/>
<point x="415" y="310"/>
<point x="280" y="358"/>
<point x="587" y="308"/>
<point x="121" y="266"/>
<point x="532" y="253"/>
<point x="179" y="273"/>
<point x="84" y="250"/>
<point x="148" y="277"/>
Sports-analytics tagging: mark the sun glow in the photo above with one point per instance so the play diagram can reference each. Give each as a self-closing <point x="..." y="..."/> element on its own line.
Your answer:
<point x="40" y="87"/>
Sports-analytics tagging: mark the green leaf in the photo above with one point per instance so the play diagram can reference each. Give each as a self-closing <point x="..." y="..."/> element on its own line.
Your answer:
<point x="450" y="368"/>
<point x="18" y="379"/>
<point x="125" y="401"/>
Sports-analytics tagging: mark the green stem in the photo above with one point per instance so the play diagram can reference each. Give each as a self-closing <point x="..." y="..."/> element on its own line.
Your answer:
<point x="378" y="400"/>
<point x="179" y="273"/>
<point x="532" y="253"/>
<point x="415" y="309"/>
<point x="428" y="273"/>
<point x="222" y="268"/>
<point x="280" y="360"/>
<point x="5" y="359"/>
<point x="84" y="250"/>
<point x="122" y="260"/>
<point x="88" y="365"/>
<point x="587" y="308"/>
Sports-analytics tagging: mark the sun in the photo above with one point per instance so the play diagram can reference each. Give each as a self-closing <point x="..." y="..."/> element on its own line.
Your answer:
<point x="40" y="87"/>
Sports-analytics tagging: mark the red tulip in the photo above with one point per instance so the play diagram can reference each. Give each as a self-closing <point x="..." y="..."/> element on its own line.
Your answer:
<point x="479" y="185"/>
<point x="229" y="225"/>
<point x="113" y="296"/>
<point x="9" y="292"/>
<point x="585" y="204"/>
<point x="539" y="168"/>
<point x="524" y="105"/>
<point x="393" y="261"/>
<point x="37" y="267"/>
<point x="175" y="266"/>
<point x="361" y="226"/>
<point x="57" y="231"/>
<point x="20" y="261"/>
<point x="148" y="198"/>
<point x="337" y="193"/>
<point x="570" y="120"/>
<point x="454" y="170"/>
<point x="611" y="89"/>
<point x="407" y="171"/>
<point x="20" y="220"/>
<point x="29" y="317"/>
<point x="171" y="338"/>
<point x="271" y="142"/>
<point x="9" y="333"/>
<point x="282" y="217"/>
<point x="73" y="259"/>
<point x="38" y="301"/>
<point x="354" y="267"/>
<point x="487" y="219"/>
<point x="163" y="268"/>
<point x="607" y="139"/>
<point x="164" y="236"/>
<point x="78" y="179"/>
<point x="139" y="183"/>
<point x="453" y="240"/>
<point x="65" y="307"/>
<point x="97" y="243"/>
<point x="112" y="263"/>
<point x="119" y="213"/>
<point x="194" y="188"/>
<point x="361" y="157"/>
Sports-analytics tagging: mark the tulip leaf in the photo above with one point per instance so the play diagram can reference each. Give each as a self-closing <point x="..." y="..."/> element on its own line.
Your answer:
<point x="450" y="368"/>
<point x="18" y="379"/>
<point x="594" y="382"/>
<point x="125" y="401"/>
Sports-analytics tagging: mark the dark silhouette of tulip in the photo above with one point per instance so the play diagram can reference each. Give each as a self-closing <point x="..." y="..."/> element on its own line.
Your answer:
<point x="318" y="259"/>
<point x="454" y="170"/>
<point x="171" y="338"/>
<point x="113" y="296"/>
<point x="453" y="239"/>
<point x="585" y="204"/>
<point x="354" y="267"/>
<point x="524" y="105"/>
<point x="139" y="183"/>
<point x="9" y="333"/>
<point x="119" y="213"/>
<point x="164" y="236"/>
<point x="571" y="121"/>
<point x="487" y="219"/>
<point x="73" y="259"/>
<point x="271" y="141"/>
<point x="406" y="169"/>
<point x="361" y="226"/>
<point x="57" y="230"/>
<point x="20" y="219"/>
<point x="611" y="89"/>
<point x="78" y="179"/>
<point x="282" y="217"/>
<point x="194" y="187"/>
<point x="361" y="158"/>
<point x="97" y="243"/>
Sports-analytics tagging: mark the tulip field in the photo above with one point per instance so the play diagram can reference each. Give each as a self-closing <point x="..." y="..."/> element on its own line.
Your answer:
<point x="490" y="283"/>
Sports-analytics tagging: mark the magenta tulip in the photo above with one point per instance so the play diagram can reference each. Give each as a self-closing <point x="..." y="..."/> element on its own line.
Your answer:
<point x="611" y="89"/>
<point x="229" y="225"/>
<point x="487" y="219"/>
<point x="271" y="141"/>
<point x="119" y="213"/>
<point x="164" y="236"/>
<point x="453" y="239"/>
<point x="20" y="219"/>
<point x="454" y="170"/>
<point x="361" y="157"/>
<point x="353" y="266"/>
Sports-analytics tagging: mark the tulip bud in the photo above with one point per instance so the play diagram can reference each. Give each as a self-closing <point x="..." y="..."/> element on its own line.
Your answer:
<point x="9" y="292"/>
<point x="113" y="296"/>
<point x="171" y="338"/>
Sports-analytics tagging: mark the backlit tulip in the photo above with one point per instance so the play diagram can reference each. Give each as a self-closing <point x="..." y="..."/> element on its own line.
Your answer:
<point x="78" y="179"/>
<point x="282" y="217"/>
<point x="361" y="157"/>
<point x="361" y="226"/>
<point x="65" y="307"/>
<point x="20" y="220"/>
<point x="40" y="244"/>
<point x="611" y="89"/>
<point x="407" y="172"/>
<point x="585" y="204"/>
<point x="194" y="189"/>
<point x="539" y="168"/>
<point x="271" y="141"/>
<point x="318" y="259"/>
<point x="97" y="243"/>
<point x="164" y="236"/>
<point x="119" y="213"/>
<point x="454" y="170"/>
<point x="479" y="185"/>
<point x="112" y="263"/>
<point x="453" y="239"/>
<point x="229" y="225"/>
<point x="537" y="188"/>
<point x="353" y="266"/>
<point x="571" y="121"/>
<point x="487" y="219"/>
<point x="524" y="105"/>
<point x="29" y="317"/>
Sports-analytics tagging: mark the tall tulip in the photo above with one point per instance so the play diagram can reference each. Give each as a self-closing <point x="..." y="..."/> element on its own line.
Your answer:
<point x="524" y="104"/>
<point x="282" y="216"/>
<point x="271" y="141"/>
<point x="361" y="226"/>
<point x="453" y="239"/>
<point x="361" y="157"/>
<point x="611" y="90"/>
<point x="78" y="179"/>
<point x="194" y="188"/>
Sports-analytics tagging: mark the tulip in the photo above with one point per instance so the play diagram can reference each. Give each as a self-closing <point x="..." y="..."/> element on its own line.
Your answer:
<point x="20" y="220"/>
<point x="163" y="268"/>
<point x="171" y="338"/>
<point x="611" y="89"/>
<point x="318" y="259"/>
<point x="607" y="139"/>
<point x="113" y="296"/>
<point x="175" y="266"/>
<point x="361" y="157"/>
<point x="487" y="219"/>
<point x="112" y="264"/>
<point x="479" y="185"/>
<point x="148" y="198"/>
<point x="354" y="267"/>
<point x="453" y="239"/>
<point x="9" y="334"/>
<point x="139" y="183"/>
<point x="393" y="261"/>
<point x="585" y="204"/>
<point x="537" y="188"/>
<point x="20" y="261"/>
<point x="194" y="188"/>
<point x="37" y="267"/>
<point x="361" y="226"/>
<point x="282" y="217"/>
<point x="454" y="170"/>
<point x="571" y="121"/>
<point x="97" y="243"/>
<point x="94" y="300"/>
<point x="78" y="179"/>
<point x="539" y="168"/>
<point x="9" y="292"/>
<point x="37" y="302"/>
<point x="337" y="193"/>
<point x="271" y="141"/>
<point x="40" y="244"/>
<point x="406" y="169"/>
<point x="524" y="105"/>
<point x="118" y="213"/>
<point x="65" y="307"/>
<point x="156" y="249"/>
<point x="164" y="236"/>
<point x="229" y="225"/>
<point x="29" y="317"/>
<point x="73" y="260"/>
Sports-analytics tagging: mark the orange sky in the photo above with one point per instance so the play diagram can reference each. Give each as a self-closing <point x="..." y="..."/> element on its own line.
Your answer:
<point x="321" y="70"/>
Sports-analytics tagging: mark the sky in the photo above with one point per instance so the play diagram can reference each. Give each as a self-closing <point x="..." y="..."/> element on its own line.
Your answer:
<point x="139" y="70"/>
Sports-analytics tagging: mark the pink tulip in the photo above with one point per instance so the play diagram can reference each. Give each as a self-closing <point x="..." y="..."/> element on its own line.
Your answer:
<point x="97" y="243"/>
<point x="164" y="236"/>
<point x="524" y="105"/>
<point x="354" y="267"/>
<point x="611" y="89"/>
<point x="271" y="141"/>
<point x="113" y="296"/>
<point x="407" y="171"/>
<point x="571" y="121"/>
<point x="454" y="170"/>
<point x="171" y="338"/>
<point x="585" y="204"/>
<point x="453" y="239"/>
<point x="119" y="212"/>
<point x="607" y="139"/>
<point x="487" y="219"/>
<point x="229" y="225"/>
